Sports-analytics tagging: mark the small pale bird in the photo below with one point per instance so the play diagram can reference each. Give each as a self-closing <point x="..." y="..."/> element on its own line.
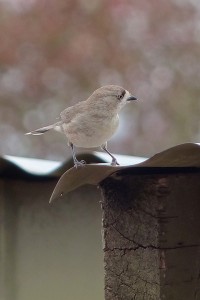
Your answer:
<point x="91" y="123"/>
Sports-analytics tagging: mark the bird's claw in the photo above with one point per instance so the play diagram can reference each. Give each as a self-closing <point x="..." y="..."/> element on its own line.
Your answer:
<point x="114" y="162"/>
<point x="78" y="163"/>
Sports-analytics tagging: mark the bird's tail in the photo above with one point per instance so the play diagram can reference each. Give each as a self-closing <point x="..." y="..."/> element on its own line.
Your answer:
<point x="45" y="129"/>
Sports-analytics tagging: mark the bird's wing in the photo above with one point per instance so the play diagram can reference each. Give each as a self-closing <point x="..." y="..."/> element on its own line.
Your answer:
<point x="69" y="113"/>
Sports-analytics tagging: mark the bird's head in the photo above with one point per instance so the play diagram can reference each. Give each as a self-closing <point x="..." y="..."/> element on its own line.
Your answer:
<point x="111" y="97"/>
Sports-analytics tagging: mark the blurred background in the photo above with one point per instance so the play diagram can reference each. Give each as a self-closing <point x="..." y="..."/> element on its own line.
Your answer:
<point x="56" y="53"/>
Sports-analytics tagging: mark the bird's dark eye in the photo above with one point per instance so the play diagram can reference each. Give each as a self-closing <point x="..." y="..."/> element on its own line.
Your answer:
<point x="121" y="96"/>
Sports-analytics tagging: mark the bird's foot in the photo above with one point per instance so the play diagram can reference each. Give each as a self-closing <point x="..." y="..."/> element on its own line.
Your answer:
<point x="114" y="162"/>
<point x="78" y="163"/>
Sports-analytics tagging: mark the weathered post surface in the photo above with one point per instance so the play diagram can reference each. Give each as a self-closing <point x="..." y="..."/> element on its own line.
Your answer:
<point x="151" y="231"/>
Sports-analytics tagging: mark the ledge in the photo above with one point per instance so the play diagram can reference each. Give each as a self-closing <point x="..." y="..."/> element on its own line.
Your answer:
<point x="185" y="156"/>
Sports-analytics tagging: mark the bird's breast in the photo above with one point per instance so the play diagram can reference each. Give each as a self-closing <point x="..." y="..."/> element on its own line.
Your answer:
<point x="91" y="131"/>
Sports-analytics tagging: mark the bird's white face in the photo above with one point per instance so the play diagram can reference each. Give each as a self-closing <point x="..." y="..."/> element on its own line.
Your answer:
<point x="122" y="97"/>
<point x="125" y="99"/>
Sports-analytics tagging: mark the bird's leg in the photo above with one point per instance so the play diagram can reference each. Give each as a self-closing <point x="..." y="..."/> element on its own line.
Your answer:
<point x="77" y="163"/>
<point x="114" y="161"/>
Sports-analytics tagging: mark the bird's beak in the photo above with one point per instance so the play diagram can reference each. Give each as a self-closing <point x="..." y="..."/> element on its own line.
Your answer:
<point x="131" y="98"/>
